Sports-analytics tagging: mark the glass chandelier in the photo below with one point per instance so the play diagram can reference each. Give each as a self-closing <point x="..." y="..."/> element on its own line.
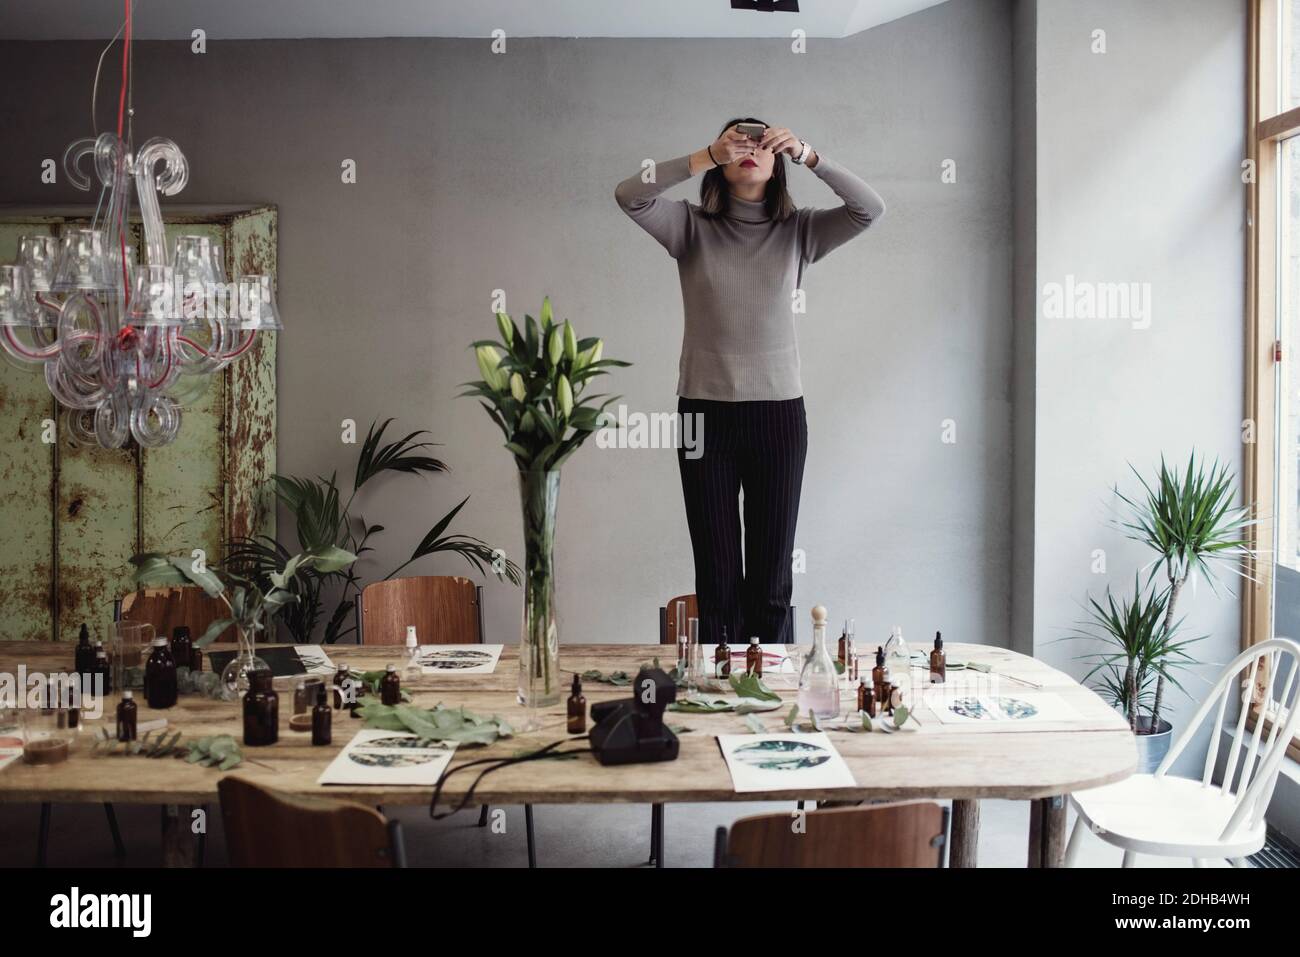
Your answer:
<point x="123" y="345"/>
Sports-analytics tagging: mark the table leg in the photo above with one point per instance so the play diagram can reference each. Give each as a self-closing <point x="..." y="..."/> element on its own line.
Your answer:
<point x="179" y="848"/>
<point x="1047" y="831"/>
<point x="963" y="851"/>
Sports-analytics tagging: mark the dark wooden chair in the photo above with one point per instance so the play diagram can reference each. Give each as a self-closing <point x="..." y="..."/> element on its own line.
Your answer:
<point x="165" y="608"/>
<point x="911" y="834"/>
<point x="445" y="610"/>
<point x="267" y="829"/>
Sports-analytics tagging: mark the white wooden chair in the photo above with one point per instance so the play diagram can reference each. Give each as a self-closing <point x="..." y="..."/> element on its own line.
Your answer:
<point x="1170" y="816"/>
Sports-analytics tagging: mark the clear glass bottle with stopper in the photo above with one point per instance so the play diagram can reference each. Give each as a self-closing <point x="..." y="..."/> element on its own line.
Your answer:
<point x="819" y="682"/>
<point x="412" y="668"/>
<point x="898" y="659"/>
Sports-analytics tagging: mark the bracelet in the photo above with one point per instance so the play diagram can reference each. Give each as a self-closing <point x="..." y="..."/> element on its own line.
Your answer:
<point x="709" y="149"/>
<point x="803" y="155"/>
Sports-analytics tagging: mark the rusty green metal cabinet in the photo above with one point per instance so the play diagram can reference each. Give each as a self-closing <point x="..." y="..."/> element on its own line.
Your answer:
<point x="71" y="515"/>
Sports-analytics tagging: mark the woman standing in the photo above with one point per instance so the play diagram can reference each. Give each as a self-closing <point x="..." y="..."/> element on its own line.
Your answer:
<point x="741" y="254"/>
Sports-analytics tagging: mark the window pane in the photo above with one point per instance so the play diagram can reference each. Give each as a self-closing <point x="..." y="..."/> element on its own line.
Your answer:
<point x="1288" y="382"/>
<point x="1289" y="54"/>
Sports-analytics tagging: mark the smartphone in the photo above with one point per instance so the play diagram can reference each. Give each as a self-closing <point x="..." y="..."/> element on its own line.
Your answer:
<point x="753" y="130"/>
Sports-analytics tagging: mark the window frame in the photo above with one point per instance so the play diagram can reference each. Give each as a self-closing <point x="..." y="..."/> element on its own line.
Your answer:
<point x="1266" y="130"/>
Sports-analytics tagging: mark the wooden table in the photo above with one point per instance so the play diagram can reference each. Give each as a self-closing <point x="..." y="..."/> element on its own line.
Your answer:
<point x="1036" y="761"/>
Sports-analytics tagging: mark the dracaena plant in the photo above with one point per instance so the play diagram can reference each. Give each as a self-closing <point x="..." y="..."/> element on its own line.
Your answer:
<point x="1140" y="647"/>
<point x="1189" y="518"/>
<point x="249" y="601"/>
<point x="533" y="387"/>
<point x="324" y="519"/>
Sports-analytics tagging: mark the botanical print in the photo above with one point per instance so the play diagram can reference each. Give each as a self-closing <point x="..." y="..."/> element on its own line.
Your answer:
<point x="1031" y="708"/>
<point x="314" y="659"/>
<point x="459" y="659"/>
<point x="782" y="762"/>
<point x="782" y="755"/>
<point x="375" y="756"/>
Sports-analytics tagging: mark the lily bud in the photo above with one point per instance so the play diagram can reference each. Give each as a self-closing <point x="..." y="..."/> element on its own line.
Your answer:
<point x="597" y="349"/>
<point x="548" y="315"/>
<point x="526" y="421"/>
<point x="555" y="347"/>
<point x="517" y="387"/>
<point x="570" y="341"/>
<point x="507" y="328"/>
<point x="564" y="396"/>
<point x="488" y="363"/>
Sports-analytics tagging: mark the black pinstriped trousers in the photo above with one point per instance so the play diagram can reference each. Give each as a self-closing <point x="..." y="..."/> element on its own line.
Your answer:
<point x="760" y="448"/>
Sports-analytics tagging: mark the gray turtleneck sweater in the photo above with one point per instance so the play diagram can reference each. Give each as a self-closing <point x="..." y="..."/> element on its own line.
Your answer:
<point x="739" y="273"/>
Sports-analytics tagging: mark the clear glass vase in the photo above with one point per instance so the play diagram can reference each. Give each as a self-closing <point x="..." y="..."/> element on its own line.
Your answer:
<point x="234" y="677"/>
<point x="539" y="639"/>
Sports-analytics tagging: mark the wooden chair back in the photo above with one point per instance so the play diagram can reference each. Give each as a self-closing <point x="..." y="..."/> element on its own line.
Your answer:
<point x="1263" y="678"/>
<point x="445" y="610"/>
<point x="165" y="608"/>
<point x="266" y="829"/>
<point x="883" y="835"/>
<point x="668" y="617"/>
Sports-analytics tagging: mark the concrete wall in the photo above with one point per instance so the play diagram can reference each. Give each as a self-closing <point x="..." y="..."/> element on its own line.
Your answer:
<point x="479" y="171"/>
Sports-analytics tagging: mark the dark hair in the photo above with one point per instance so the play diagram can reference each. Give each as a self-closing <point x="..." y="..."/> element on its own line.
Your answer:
<point x="715" y="196"/>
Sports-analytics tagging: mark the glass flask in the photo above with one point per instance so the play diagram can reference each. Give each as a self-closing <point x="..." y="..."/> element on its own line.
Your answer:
<point x="819" y="682"/>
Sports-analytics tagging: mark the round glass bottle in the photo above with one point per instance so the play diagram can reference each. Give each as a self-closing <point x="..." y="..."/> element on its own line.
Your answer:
<point x="819" y="682"/>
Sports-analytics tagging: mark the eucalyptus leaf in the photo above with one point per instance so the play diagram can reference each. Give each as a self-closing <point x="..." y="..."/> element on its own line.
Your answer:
<point x="753" y="724"/>
<point x="751" y="686"/>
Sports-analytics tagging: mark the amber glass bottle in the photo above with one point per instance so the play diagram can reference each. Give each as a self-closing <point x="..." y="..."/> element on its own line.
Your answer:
<point x="938" y="661"/>
<point x="342" y="682"/>
<point x="102" y="667"/>
<point x="878" y="674"/>
<point x="577" y="708"/>
<point x="127" y="714"/>
<point x="322" y="718"/>
<point x="261" y="710"/>
<point x="84" y="656"/>
<point x="390" y="686"/>
<point x="182" y="646"/>
<point x="722" y="657"/>
<point x="754" y="658"/>
<point x="160" y="676"/>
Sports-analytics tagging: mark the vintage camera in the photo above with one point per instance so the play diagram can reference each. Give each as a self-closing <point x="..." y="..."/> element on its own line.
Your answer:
<point x="632" y="731"/>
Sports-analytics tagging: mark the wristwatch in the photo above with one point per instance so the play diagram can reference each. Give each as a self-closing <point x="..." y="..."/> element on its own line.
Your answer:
<point x="803" y="154"/>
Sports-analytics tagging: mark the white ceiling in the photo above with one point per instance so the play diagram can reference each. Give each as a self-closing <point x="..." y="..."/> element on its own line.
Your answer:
<point x="253" y="19"/>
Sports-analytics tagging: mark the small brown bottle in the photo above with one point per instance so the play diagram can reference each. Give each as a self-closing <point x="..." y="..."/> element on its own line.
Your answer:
<point x="84" y="656"/>
<point x="182" y="646"/>
<point x="127" y="714"/>
<point x="160" y="676"/>
<point x="261" y="710"/>
<point x="844" y="650"/>
<point x="390" y="686"/>
<point x="722" y="657"/>
<point x="196" y="659"/>
<point x="863" y="693"/>
<point x="754" y="658"/>
<point x="322" y="718"/>
<point x="938" y="661"/>
<point x="878" y="674"/>
<point x="577" y="708"/>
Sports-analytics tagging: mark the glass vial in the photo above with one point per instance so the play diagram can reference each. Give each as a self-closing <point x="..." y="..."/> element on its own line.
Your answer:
<point x="577" y="708"/>
<point x="102" y="667"/>
<point x="754" y="658"/>
<point x="261" y="710"/>
<point x="819" y="682"/>
<point x="127" y="716"/>
<point x="160" y="676"/>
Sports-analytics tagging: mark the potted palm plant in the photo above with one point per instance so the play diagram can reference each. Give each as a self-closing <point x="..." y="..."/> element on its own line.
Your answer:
<point x="532" y="386"/>
<point x="1186" y="516"/>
